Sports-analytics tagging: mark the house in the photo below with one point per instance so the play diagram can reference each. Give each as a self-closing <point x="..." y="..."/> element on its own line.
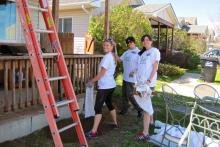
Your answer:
<point x="11" y="32"/>
<point x="162" y="17"/>
<point x="188" y="20"/>
<point x="198" y="31"/>
<point x="74" y="16"/>
<point x="190" y="24"/>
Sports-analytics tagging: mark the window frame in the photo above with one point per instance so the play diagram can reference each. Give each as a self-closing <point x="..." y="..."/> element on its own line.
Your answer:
<point x="17" y="30"/>
<point x="62" y="24"/>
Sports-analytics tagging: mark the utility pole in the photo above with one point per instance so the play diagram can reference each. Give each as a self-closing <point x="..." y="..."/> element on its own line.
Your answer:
<point x="55" y="13"/>
<point x="106" y="19"/>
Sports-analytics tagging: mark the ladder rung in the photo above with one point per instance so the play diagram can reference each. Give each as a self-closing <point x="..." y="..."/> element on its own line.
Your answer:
<point x="38" y="9"/>
<point x="67" y="127"/>
<point x="64" y="102"/>
<point x="49" y="54"/>
<point x="57" y="78"/>
<point x="43" y="31"/>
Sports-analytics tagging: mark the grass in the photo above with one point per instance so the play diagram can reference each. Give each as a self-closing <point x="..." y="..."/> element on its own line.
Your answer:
<point x="161" y="80"/>
<point x="197" y="70"/>
<point x="217" y="78"/>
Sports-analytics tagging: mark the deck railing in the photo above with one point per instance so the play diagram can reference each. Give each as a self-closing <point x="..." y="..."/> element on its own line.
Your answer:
<point x="18" y="88"/>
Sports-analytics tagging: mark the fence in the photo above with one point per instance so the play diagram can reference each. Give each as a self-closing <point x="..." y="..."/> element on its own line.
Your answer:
<point x="18" y="88"/>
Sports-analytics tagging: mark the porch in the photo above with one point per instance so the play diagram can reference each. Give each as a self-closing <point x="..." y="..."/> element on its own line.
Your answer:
<point x="18" y="88"/>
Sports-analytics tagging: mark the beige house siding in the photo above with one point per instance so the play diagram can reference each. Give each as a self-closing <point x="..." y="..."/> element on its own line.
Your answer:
<point x="80" y="23"/>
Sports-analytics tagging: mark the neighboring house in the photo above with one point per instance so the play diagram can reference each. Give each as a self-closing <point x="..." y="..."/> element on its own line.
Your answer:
<point x="188" y="20"/>
<point x="211" y="36"/>
<point x="75" y="16"/>
<point x="11" y="32"/>
<point x="198" y="31"/>
<point x="190" y="25"/>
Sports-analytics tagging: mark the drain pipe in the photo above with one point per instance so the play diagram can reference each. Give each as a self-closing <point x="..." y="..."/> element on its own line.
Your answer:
<point x="85" y="10"/>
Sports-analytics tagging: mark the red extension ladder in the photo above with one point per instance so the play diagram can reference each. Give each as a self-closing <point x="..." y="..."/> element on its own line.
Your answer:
<point x="41" y="75"/>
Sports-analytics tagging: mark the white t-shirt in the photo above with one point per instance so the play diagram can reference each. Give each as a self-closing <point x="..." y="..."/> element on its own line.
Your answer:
<point x="145" y="65"/>
<point x="130" y="61"/>
<point x="107" y="81"/>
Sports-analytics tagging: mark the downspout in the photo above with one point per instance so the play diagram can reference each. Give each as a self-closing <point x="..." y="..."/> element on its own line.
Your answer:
<point x="90" y="16"/>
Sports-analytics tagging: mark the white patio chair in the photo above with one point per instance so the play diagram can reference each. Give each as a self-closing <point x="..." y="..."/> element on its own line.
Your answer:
<point x="203" y="129"/>
<point x="208" y="97"/>
<point x="178" y="109"/>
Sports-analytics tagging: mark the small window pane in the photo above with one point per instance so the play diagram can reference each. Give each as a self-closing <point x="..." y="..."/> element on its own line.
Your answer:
<point x="7" y="21"/>
<point x="60" y="25"/>
<point x="67" y="23"/>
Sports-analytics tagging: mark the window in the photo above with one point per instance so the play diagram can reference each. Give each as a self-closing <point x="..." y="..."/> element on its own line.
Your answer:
<point x="7" y="21"/>
<point x="65" y="25"/>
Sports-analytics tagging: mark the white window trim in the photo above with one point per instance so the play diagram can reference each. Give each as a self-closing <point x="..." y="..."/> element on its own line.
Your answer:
<point x="66" y="17"/>
<point x="18" y="32"/>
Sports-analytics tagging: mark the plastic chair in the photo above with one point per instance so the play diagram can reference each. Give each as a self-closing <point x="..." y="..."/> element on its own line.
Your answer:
<point x="208" y="97"/>
<point x="204" y="128"/>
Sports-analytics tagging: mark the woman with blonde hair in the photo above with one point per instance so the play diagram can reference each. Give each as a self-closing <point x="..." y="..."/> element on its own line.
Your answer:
<point x="106" y="86"/>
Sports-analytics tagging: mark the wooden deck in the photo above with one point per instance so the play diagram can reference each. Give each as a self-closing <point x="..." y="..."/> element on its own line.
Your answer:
<point x="18" y="88"/>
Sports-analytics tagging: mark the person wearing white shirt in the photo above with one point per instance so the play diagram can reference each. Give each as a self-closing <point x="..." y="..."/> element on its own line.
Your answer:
<point x="106" y="86"/>
<point x="147" y="73"/>
<point x="130" y="61"/>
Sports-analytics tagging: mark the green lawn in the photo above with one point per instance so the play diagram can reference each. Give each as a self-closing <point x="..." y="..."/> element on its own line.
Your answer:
<point x="197" y="70"/>
<point x="161" y="80"/>
<point x="217" y="78"/>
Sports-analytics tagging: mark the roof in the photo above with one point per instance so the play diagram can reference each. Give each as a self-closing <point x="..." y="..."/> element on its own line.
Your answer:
<point x="151" y="8"/>
<point x="113" y="3"/>
<point x="198" y="29"/>
<point x="74" y="4"/>
<point x="163" y="11"/>
<point x="188" y="20"/>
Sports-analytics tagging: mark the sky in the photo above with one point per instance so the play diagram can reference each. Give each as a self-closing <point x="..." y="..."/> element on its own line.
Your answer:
<point x="207" y="11"/>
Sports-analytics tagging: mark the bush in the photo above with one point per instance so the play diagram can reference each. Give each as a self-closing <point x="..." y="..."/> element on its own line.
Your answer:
<point x="124" y="22"/>
<point x="188" y="50"/>
<point x="187" y="59"/>
<point x="170" y="70"/>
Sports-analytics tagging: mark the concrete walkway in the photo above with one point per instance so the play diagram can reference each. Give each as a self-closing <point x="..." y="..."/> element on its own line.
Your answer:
<point x="186" y="84"/>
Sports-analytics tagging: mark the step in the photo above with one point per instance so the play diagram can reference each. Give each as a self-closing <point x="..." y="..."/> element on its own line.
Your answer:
<point x="67" y="127"/>
<point x="38" y="9"/>
<point x="64" y="102"/>
<point x="43" y="31"/>
<point x="57" y="78"/>
<point x="50" y="54"/>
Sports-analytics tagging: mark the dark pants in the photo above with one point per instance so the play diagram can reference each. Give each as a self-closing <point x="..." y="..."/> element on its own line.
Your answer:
<point x="104" y="96"/>
<point x="128" y="90"/>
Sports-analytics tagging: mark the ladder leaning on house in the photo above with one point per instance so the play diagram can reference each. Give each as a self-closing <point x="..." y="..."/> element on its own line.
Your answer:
<point x="41" y="75"/>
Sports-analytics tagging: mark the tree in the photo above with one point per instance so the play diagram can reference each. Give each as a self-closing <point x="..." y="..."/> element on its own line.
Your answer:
<point x="124" y="22"/>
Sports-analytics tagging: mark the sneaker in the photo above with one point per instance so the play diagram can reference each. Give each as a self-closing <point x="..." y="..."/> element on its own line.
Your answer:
<point x="91" y="134"/>
<point x="141" y="137"/>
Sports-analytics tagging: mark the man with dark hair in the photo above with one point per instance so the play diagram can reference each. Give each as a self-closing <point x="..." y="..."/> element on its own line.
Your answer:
<point x="130" y="61"/>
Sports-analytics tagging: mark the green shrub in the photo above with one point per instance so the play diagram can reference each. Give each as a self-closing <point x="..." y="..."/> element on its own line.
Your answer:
<point x="170" y="70"/>
<point x="193" y="61"/>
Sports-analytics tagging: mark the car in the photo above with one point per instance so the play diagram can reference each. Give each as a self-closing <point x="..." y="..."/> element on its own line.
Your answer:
<point x="212" y="53"/>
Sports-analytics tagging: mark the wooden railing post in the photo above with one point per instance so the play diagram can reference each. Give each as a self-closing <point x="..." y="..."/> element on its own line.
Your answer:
<point x="6" y="103"/>
<point x="18" y="75"/>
